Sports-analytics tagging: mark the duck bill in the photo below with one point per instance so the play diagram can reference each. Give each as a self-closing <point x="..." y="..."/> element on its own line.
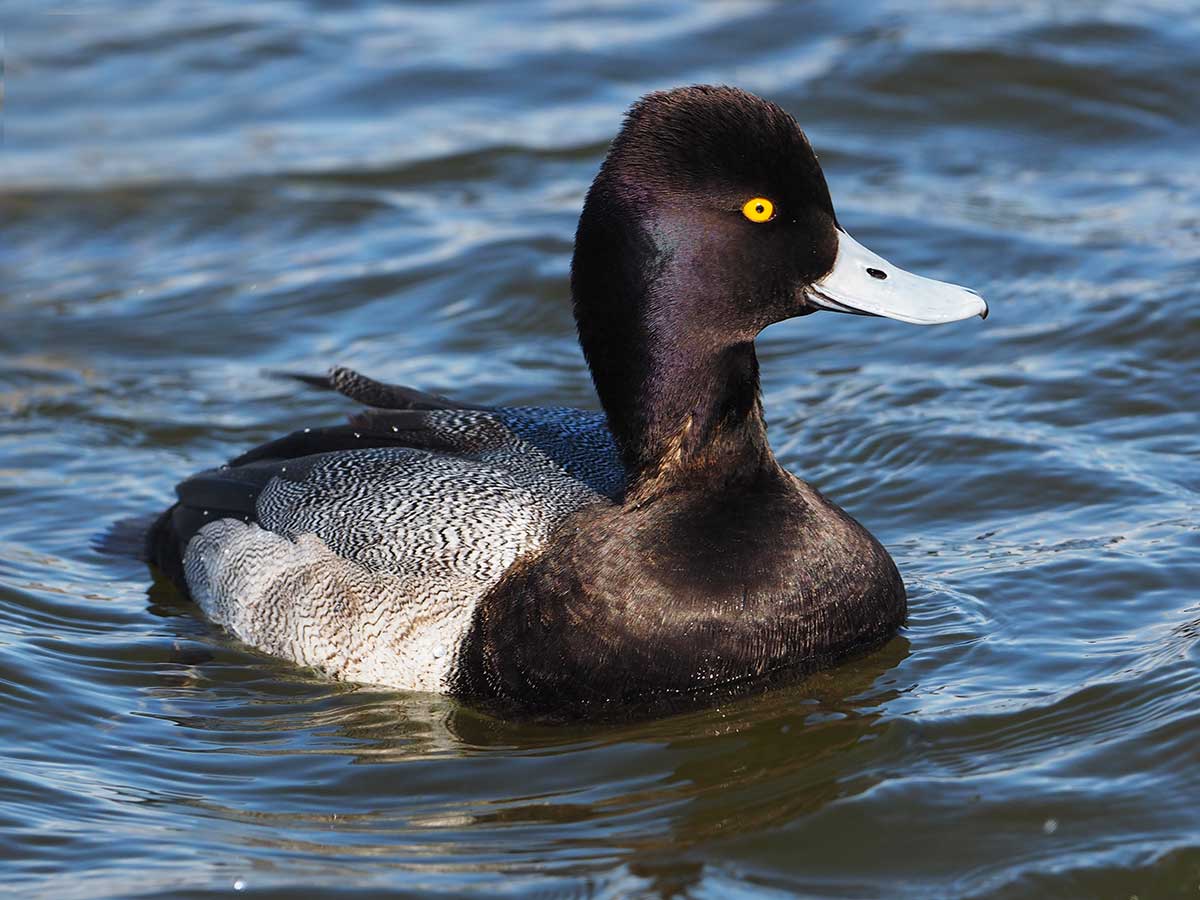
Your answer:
<point x="866" y="284"/>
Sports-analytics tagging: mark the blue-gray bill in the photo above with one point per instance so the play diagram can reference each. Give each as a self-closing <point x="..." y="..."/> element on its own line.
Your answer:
<point x="865" y="283"/>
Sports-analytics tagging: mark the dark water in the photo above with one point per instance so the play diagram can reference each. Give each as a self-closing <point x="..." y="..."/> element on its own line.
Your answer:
<point x="195" y="193"/>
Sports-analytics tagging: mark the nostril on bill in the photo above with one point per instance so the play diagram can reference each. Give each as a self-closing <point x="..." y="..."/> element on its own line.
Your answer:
<point x="877" y="273"/>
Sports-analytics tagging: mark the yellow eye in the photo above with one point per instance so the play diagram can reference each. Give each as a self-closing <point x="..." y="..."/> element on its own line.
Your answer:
<point x="759" y="209"/>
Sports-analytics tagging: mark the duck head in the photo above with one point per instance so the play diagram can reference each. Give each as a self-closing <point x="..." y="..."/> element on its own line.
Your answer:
<point x="709" y="220"/>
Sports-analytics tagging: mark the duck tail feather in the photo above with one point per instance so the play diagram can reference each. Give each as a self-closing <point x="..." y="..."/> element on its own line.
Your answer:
<point x="379" y="394"/>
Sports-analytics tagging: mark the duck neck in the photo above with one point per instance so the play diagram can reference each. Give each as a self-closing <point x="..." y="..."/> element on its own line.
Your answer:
<point x="679" y="406"/>
<point x="699" y="416"/>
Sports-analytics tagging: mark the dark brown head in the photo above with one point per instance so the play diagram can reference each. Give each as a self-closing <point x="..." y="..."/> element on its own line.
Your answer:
<point x="709" y="220"/>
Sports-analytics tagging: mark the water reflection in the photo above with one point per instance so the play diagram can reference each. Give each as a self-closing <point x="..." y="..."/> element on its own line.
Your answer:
<point x="601" y="793"/>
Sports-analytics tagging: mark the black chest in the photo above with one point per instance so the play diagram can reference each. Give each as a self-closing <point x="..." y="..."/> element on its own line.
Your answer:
<point x="698" y="596"/>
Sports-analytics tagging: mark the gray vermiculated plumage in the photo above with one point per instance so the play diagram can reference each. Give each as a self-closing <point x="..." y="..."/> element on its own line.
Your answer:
<point x="368" y="563"/>
<point x="577" y="440"/>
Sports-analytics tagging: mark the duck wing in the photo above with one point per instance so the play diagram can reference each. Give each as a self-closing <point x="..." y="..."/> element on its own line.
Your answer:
<point x="578" y="440"/>
<point x="363" y="548"/>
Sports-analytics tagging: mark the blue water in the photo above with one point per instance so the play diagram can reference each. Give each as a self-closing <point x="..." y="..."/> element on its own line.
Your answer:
<point x="193" y="194"/>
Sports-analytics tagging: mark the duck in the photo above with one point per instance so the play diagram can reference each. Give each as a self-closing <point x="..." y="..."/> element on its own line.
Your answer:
<point x="561" y="564"/>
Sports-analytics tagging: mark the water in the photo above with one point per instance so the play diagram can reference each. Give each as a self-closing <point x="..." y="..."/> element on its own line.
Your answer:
<point x="195" y="193"/>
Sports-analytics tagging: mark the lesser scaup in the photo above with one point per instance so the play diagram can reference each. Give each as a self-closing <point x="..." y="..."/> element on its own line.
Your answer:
<point x="570" y="564"/>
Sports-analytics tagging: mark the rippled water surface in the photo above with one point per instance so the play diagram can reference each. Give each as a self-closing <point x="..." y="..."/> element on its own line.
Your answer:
<point x="193" y="194"/>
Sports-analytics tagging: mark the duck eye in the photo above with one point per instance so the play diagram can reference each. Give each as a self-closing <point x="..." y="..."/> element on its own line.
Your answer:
<point x="758" y="209"/>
